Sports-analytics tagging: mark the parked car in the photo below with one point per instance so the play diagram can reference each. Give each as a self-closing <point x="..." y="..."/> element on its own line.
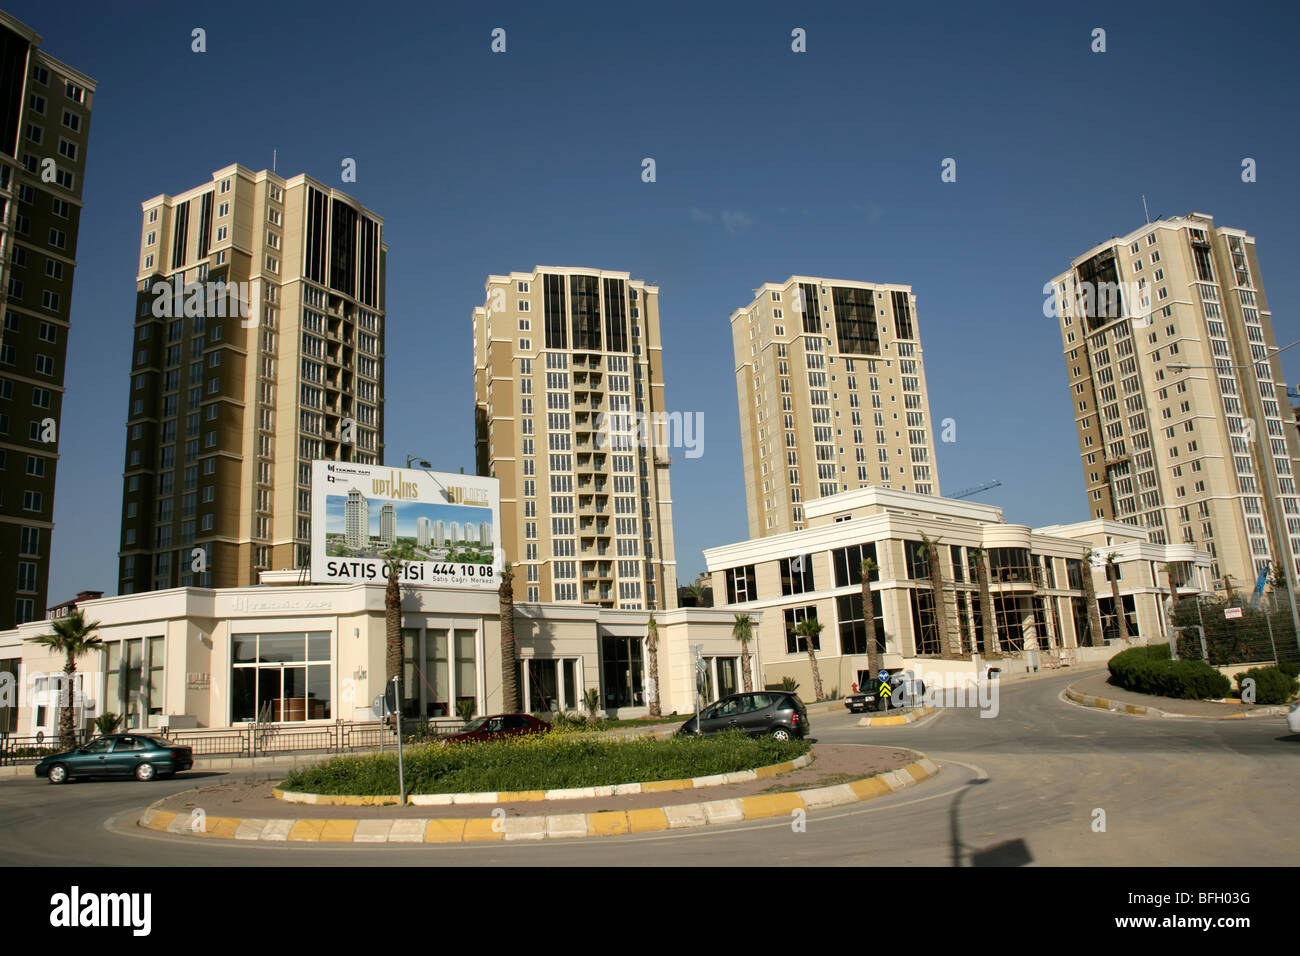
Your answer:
<point x="778" y="713"/>
<point x="1293" y="717"/>
<point x="908" y="689"/>
<point x="865" y="698"/>
<point x="143" y="756"/>
<point x="500" y="727"/>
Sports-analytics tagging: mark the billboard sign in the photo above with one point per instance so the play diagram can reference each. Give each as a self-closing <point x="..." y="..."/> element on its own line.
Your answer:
<point x="445" y="526"/>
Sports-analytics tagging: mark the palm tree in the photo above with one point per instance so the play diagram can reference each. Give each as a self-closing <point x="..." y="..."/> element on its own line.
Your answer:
<point x="1173" y="594"/>
<point x="695" y="593"/>
<point x="869" y="567"/>
<point x="1227" y="586"/>
<point x="809" y="629"/>
<point x="743" y="631"/>
<point x="509" y="649"/>
<point x="71" y="637"/>
<point x="946" y="647"/>
<point x="985" y="597"/>
<point x="1090" y="595"/>
<point x="393" y="624"/>
<point x="652" y="648"/>
<point x="1112" y="572"/>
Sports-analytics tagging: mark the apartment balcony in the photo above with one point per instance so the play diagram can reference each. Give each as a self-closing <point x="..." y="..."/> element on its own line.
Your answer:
<point x="597" y="571"/>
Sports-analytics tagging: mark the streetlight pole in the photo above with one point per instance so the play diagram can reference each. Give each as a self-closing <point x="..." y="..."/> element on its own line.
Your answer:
<point x="1269" y="476"/>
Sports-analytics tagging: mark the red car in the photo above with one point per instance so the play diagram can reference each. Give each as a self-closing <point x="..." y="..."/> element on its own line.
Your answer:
<point x="500" y="727"/>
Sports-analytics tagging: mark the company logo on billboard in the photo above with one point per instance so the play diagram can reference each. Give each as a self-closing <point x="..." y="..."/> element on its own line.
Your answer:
<point x="457" y="495"/>
<point x="394" y="487"/>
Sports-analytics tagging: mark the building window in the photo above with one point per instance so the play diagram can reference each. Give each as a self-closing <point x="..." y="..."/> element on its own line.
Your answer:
<point x="281" y="678"/>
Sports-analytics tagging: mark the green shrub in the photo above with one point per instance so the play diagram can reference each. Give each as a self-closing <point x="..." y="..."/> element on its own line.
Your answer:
<point x="789" y="685"/>
<point x="1272" y="684"/>
<point x="542" y="762"/>
<point x="1289" y="668"/>
<point x="1148" y="670"/>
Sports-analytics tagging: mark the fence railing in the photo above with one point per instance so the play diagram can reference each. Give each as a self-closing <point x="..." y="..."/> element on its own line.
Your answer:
<point x="255" y="739"/>
<point x="15" y="749"/>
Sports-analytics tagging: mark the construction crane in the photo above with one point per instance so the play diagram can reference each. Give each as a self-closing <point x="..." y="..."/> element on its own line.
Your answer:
<point x="967" y="492"/>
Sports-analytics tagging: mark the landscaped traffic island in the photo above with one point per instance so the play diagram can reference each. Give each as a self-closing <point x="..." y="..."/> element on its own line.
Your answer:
<point x="550" y="762"/>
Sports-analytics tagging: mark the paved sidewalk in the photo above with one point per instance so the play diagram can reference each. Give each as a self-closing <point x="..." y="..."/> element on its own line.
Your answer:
<point x="1096" y="691"/>
<point x="246" y="811"/>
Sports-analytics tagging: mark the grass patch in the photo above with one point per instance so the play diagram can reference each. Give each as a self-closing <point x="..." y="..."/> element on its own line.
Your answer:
<point x="552" y="761"/>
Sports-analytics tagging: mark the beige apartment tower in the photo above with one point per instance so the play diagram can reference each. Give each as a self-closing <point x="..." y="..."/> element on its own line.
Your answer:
<point x="1179" y="401"/>
<point x="258" y="348"/>
<point x="831" y="386"/>
<point x="46" y="106"/>
<point x="570" y="417"/>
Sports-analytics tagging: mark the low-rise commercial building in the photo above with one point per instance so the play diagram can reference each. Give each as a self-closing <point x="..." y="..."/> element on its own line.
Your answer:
<point x="1037" y="600"/>
<point x="286" y="652"/>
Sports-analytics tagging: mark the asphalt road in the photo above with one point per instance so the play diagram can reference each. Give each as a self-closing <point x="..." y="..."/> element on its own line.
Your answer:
<point x="1022" y="788"/>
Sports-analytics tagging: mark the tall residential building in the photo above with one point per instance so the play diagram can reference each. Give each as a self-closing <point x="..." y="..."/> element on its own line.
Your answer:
<point x="831" y="386"/>
<point x="586" y="510"/>
<point x="258" y="347"/>
<point x="388" y="525"/>
<point x="43" y="131"/>
<point x="423" y="531"/>
<point x="1178" y="393"/>
<point x="356" y="520"/>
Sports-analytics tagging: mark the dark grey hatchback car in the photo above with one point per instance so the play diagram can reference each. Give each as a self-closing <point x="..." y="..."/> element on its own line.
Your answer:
<point x="778" y="713"/>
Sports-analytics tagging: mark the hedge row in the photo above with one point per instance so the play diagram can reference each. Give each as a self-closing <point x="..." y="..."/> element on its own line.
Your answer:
<point x="544" y="762"/>
<point x="1148" y="670"/>
<point x="1273" y="685"/>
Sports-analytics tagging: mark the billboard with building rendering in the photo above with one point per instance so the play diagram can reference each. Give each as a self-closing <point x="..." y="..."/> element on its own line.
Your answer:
<point x="443" y="526"/>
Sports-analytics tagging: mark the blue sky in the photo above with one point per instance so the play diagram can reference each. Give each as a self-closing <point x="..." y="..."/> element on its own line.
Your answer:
<point x="769" y="163"/>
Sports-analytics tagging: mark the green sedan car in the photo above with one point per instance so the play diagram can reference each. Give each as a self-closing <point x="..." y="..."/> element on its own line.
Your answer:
<point x="118" y="755"/>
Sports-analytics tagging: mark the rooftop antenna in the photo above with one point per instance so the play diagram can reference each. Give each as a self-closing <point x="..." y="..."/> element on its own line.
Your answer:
<point x="1145" y="211"/>
<point x="273" y="158"/>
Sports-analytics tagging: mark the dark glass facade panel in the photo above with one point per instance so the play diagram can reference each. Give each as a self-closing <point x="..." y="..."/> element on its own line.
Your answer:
<point x="584" y="299"/>
<point x="797" y="575"/>
<point x="13" y="65"/>
<point x="741" y="584"/>
<point x="958" y="565"/>
<point x="368" y="292"/>
<point x="795" y="644"/>
<point x="902" y="315"/>
<point x="180" y="234"/>
<point x="316" y="230"/>
<point x="855" y="321"/>
<point x="1074" y="574"/>
<point x="205" y="225"/>
<point x="925" y="628"/>
<point x="557" y="330"/>
<point x="615" y="315"/>
<point x="918" y="560"/>
<point x="1102" y="298"/>
<point x="1010" y="565"/>
<point x="812" y="309"/>
<point x="853" y="630"/>
<point x="343" y="249"/>
<point x="847" y="563"/>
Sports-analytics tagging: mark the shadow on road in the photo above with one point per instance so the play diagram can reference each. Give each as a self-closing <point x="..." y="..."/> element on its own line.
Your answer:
<point x="1009" y="853"/>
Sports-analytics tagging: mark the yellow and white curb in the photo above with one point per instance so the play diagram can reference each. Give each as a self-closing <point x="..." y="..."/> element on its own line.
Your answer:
<point x="897" y="720"/>
<point x="1140" y="710"/>
<point x="562" y="826"/>
<point x="534" y="796"/>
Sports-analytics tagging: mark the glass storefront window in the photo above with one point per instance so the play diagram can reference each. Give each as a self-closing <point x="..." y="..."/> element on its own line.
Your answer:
<point x="281" y="678"/>
<point x="466" y="666"/>
<point x="622" y="666"/>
